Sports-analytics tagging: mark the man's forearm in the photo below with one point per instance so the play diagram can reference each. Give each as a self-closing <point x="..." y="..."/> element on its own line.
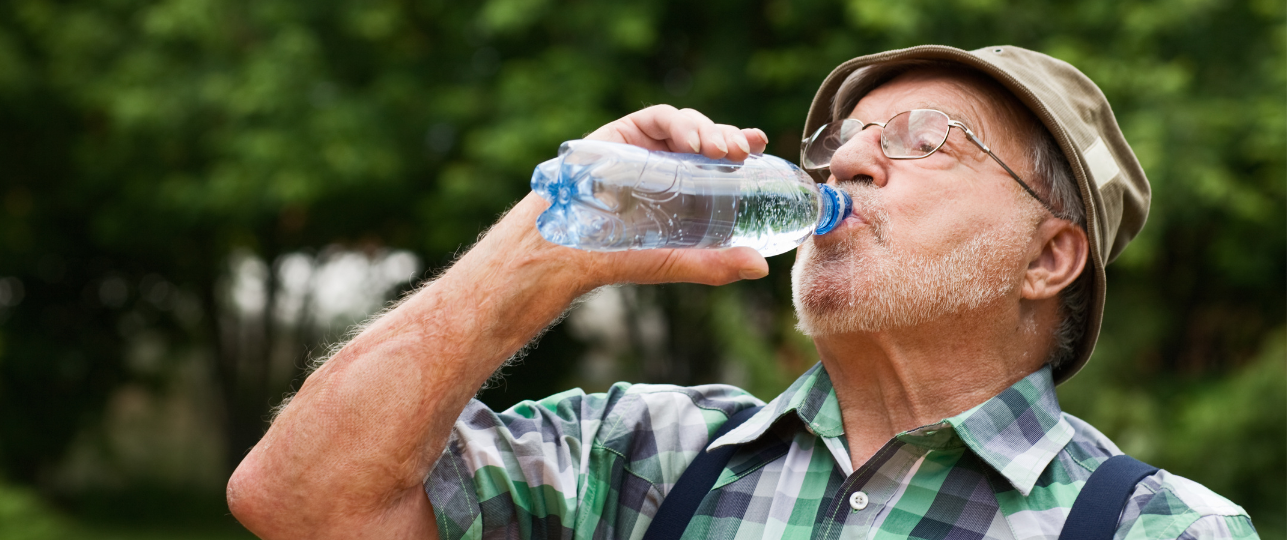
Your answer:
<point x="347" y="457"/>
<point x="366" y="427"/>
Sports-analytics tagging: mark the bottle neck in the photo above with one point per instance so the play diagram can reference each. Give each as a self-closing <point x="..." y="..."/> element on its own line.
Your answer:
<point x="836" y="206"/>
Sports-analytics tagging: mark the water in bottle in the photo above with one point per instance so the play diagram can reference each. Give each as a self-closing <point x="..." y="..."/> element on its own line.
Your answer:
<point x="611" y="197"/>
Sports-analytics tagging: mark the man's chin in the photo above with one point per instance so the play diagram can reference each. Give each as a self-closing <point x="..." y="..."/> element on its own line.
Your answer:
<point x="817" y="326"/>
<point x="824" y="313"/>
<point x="824" y="285"/>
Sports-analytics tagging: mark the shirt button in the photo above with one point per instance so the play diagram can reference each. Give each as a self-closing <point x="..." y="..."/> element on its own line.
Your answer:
<point x="858" y="500"/>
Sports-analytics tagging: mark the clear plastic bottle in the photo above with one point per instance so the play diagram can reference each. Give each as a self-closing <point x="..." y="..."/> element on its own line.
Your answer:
<point x="612" y="197"/>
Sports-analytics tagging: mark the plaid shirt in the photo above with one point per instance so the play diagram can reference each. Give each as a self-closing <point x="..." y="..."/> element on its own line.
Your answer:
<point x="597" y="466"/>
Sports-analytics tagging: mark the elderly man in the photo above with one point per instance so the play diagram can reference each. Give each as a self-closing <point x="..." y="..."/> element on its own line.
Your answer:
<point x="990" y="188"/>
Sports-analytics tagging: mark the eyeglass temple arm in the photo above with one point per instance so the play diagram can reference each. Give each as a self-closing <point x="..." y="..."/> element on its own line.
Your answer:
<point x="970" y="135"/>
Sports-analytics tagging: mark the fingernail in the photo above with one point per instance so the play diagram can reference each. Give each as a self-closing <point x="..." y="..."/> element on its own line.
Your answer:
<point x="745" y="146"/>
<point x="763" y="134"/>
<point x="695" y="142"/>
<point x="751" y="273"/>
<point x="722" y="147"/>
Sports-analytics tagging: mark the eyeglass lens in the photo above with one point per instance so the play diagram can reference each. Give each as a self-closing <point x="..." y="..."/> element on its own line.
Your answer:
<point x="819" y="148"/>
<point x="914" y="134"/>
<point x="908" y="135"/>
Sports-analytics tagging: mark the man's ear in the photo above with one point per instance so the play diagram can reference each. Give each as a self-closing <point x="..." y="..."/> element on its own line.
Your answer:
<point x="1064" y="249"/>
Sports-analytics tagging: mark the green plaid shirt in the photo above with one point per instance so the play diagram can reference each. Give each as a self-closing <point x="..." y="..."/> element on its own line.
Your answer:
<point x="598" y="466"/>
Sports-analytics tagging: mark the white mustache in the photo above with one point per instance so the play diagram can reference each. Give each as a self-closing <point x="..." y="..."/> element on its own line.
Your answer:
<point x="869" y="206"/>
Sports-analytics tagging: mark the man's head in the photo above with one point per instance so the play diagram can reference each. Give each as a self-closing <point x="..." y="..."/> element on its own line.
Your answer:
<point x="953" y="233"/>
<point x="934" y="237"/>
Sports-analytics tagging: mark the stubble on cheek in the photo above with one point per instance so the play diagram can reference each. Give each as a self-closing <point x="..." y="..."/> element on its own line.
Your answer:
<point x="820" y="278"/>
<point x="824" y="278"/>
<point x="852" y="286"/>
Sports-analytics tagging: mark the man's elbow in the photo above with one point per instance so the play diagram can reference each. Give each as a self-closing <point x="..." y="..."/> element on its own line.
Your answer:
<point x="272" y="507"/>
<point x="252" y="500"/>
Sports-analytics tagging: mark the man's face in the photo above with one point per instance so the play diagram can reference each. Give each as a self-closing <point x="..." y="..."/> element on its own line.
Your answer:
<point x="928" y="237"/>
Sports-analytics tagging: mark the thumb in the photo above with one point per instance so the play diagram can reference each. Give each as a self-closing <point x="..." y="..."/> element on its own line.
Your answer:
<point x="707" y="266"/>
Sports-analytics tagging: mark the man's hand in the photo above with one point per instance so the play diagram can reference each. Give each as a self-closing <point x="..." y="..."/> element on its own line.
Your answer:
<point x="347" y="457"/>
<point x="662" y="127"/>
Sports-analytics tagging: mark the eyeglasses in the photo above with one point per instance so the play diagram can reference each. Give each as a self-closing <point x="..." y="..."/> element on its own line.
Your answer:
<point x="913" y="134"/>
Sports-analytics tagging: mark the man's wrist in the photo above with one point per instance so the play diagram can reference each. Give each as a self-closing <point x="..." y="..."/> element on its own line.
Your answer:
<point x="514" y="255"/>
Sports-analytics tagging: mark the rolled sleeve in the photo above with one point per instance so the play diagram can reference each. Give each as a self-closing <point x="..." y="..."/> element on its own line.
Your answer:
<point x="574" y="462"/>
<point x="519" y="469"/>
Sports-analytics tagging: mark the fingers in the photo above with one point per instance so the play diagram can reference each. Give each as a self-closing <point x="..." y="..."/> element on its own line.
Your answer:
<point x="706" y="266"/>
<point x="626" y="131"/>
<point x="663" y="127"/>
<point x="719" y="141"/>
<point x="712" y="267"/>
<point x="757" y="139"/>
<point x="711" y="135"/>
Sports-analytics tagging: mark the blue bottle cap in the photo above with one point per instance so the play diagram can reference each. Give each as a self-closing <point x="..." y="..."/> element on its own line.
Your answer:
<point x="836" y="206"/>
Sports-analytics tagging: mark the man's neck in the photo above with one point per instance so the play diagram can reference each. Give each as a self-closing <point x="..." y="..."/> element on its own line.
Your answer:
<point x="891" y="381"/>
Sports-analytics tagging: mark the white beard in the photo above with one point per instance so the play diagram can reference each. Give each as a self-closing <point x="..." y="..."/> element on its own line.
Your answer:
<point x="845" y="288"/>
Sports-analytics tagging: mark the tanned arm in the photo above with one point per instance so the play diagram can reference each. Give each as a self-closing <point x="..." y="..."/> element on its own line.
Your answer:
<point x="347" y="457"/>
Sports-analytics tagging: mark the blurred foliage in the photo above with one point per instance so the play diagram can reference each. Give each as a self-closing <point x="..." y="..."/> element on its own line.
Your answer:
<point x="142" y="144"/>
<point x="25" y="516"/>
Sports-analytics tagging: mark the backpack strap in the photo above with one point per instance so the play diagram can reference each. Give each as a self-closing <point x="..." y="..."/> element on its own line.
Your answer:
<point x="679" y="506"/>
<point x="1098" y="507"/>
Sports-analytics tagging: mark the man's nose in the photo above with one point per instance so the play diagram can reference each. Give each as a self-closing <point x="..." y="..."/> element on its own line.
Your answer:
<point x="861" y="159"/>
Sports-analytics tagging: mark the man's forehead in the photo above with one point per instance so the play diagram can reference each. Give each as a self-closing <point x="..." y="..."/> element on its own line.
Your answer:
<point x="952" y="112"/>
<point x="954" y="95"/>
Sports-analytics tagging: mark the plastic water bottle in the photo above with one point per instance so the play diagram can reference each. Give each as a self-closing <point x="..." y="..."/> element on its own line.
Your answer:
<point x="612" y="197"/>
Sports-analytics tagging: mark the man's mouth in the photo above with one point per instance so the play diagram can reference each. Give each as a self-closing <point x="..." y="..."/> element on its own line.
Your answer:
<point x="867" y="213"/>
<point x="854" y="220"/>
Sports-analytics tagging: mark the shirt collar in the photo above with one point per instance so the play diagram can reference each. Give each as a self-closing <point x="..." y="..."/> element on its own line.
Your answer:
<point x="1017" y="432"/>
<point x="812" y="399"/>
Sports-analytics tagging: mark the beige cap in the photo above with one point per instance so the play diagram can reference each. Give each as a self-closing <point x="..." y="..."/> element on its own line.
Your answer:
<point x="1113" y="186"/>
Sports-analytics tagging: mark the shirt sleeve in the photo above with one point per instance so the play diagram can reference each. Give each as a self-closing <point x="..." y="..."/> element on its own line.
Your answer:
<point x="573" y="461"/>
<point x="1220" y="528"/>
<point x="1165" y="506"/>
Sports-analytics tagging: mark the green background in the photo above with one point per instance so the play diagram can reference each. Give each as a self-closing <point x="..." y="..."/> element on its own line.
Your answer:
<point x="146" y="147"/>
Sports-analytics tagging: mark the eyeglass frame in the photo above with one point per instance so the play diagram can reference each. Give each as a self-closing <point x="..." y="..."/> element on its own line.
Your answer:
<point x="804" y="147"/>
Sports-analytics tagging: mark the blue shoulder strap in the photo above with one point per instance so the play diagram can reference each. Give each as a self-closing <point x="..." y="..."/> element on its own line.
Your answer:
<point x="681" y="503"/>
<point x="1098" y="507"/>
